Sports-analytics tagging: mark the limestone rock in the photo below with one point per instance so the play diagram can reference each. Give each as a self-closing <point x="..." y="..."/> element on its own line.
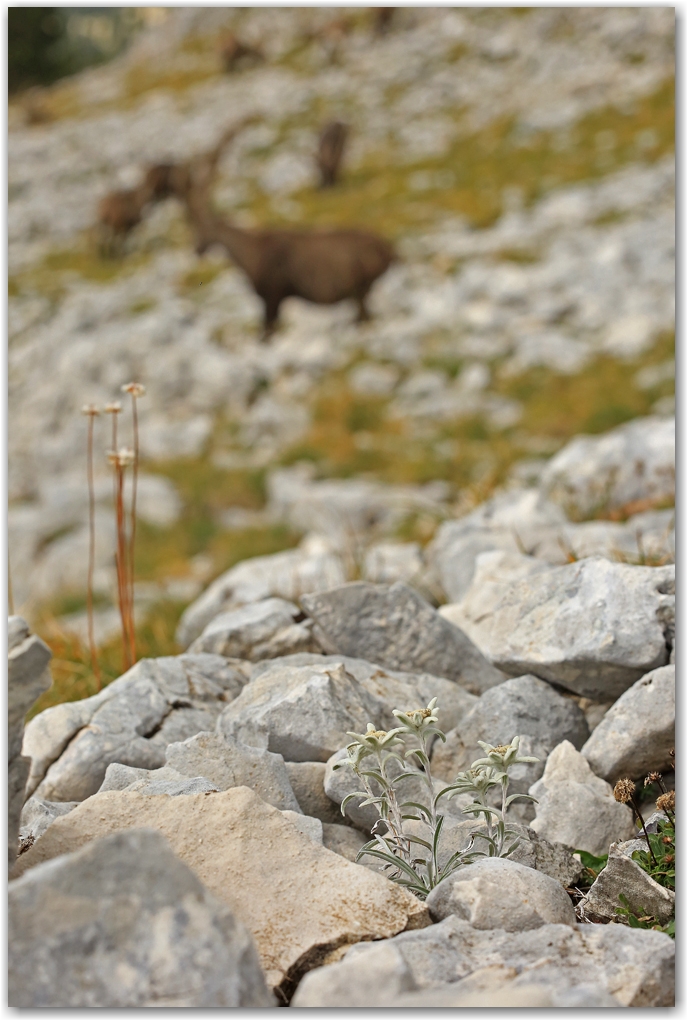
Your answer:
<point x="167" y="782"/>
<point x="122" y="922"/>
<point x="302" y="713"/>
<point x="633" y="462"/>
<point x="385" y="975"/>
<point x="576" y="807"/>
<point x="286" y="575"/>
<point x="28" y="677"/>
<point x="593" y="627"/>
<point x="307" y="826"/>
<point x="307" y="783"/>
<point x="38" y="815"/>
<point x="129" y="722"/>
<point x="387" y="562"/>
<point x="393" y="688"/>
<point x="636" y="734"/>
<point x="344" y="840"/>
<point x="623" y="875"/>
<point x="259" y="630"/>
<point x="495" y="571"/>
<point x="524" y="706"/>
<point x="393" y="626"/>
<point x="636" y="967"/>
<point x="507" y="522"/>
<point x="226" y="764"/>
<point x="299" y="900"/>
<point x="499" y="893"/>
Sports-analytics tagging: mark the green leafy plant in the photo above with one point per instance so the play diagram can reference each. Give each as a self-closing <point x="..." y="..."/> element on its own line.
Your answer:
<point x="385" y="761"/>
<point x="646" y="921"/>
<point x="593" y="866"/>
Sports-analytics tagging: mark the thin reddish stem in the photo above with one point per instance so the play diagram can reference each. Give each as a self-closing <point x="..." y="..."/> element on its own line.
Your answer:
<point x="122" y="585"/>
<point x="91" y="554"/>
<point x="132" y="530"/>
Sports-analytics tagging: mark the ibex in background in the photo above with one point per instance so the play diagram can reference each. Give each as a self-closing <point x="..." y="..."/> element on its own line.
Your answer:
<point x="320" y="266"/>
<point x="330" y="152"/>
<point x="120" y="211"/>
<point x="383" y="18"/>
<point x="235" y="53"/>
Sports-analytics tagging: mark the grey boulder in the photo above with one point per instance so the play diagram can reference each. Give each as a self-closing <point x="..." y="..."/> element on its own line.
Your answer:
<point x="307" y="783"/>
<point x="393" y="688"/>
<point x="393" y="626"/>
<point x="37" y="816"/>
<point x="226" y="764"/>
<point x="131" y="722"/>
<point x="636" y="967"/>
<point x="302" y="713"/>
<point x="524" y="706"/>
<point x="122" y="922"/>
<point x="635" y="461"/>
<point x="287" y="575"/>
<point x="260" y="630"/>
<point x="576" y="807"/>
<point x="637" y="733"/>
<point x="593" y="627"/>
<point x="623" y="875"/>
<point x="499" y="893"/>
<point x="510" y="522"/>
<point x="28" y="677"/>
<point x="165" y="782"/>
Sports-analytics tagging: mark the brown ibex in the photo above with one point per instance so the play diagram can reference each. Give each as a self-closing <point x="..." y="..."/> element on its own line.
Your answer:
<point x="323" y="267"/>
<point x="382" y="20"/>
<point x="118" y="213"/>
<point x="234" y="53"/>
<point x="330" y="152"/>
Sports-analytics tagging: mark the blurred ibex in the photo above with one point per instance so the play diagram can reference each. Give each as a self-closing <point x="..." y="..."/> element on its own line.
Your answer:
<point x="234" y="53"/>
<point x="120" y="211"/>
<point x="330" y="152"/>
<point x="323" y="267"/>
<point x="383" y="18"/>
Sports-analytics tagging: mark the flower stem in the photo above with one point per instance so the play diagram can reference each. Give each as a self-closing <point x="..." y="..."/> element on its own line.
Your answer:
<point x="132" y="530"/>
<point x="91" y="554"/>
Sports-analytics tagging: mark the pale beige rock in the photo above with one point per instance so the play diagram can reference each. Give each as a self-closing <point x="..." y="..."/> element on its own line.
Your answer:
<point x="298" y="899"/>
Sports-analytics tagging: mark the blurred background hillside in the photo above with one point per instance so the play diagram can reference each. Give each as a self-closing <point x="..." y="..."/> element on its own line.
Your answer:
<point x="520" y="159"/>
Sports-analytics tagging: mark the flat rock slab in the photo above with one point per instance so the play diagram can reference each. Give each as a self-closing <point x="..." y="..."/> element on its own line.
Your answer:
<point x="122" y="922"/>
<point x="301" y="712"/>
<point x="498" y="893"/>
<point x="227" y="764"/>
<point x="260" y="630"/>
<point x="623" y="875"/>
<point x="636" y="967"/>
<point x="298" y="899"/>
<point x="286" y="575"/>
<point x="593" y="627"/>
<point x="392" y="625"/>
<point x="637" y="733"/>
<point x="635" y="461"/>
<point x="524" y="706"/>
<point x="576" y="807"/>
<point x="130" y="722"/>
<point x="393" y="688"/>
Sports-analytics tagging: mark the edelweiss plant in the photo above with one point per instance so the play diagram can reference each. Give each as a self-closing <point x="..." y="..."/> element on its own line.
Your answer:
<point x="388" y="759"/>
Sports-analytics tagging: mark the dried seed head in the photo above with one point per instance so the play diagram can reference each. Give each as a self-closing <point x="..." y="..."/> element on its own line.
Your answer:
<point x="90" y="410"/>
<point x="624" y="790"/>
<point x="122" y="457"/>
<point x="114" y="407"/>
<point x="666" y="802"/>
<point x="653" y="777"/>
<point x="136" y="389"/>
